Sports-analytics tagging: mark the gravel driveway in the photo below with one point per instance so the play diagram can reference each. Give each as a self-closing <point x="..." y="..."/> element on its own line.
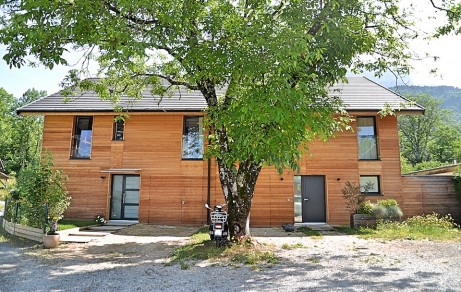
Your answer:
<point x="334" y="262"/>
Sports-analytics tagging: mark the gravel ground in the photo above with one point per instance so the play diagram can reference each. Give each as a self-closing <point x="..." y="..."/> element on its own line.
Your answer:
<point x="133" y="260"/>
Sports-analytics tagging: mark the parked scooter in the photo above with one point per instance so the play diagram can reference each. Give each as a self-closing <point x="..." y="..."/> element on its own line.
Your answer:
<point x="219" y="229"/>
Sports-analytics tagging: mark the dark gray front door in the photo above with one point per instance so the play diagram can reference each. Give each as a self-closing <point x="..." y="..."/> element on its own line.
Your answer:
<point x="124" y="203"/>
<point x="313" y="198"/>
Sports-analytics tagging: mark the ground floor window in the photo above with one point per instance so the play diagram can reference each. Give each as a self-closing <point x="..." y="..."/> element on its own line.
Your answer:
<point x="370" y="184"/>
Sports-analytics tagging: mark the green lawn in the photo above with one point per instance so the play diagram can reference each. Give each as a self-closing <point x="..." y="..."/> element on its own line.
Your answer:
<point x="68" y="224"/>
<point x="430" y="227"/>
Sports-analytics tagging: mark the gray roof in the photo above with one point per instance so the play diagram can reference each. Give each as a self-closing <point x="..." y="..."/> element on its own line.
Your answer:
<point x="359" y="94"/>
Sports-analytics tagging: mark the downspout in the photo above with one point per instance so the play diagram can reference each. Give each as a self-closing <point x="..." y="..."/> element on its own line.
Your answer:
<point x="208" y="195"/>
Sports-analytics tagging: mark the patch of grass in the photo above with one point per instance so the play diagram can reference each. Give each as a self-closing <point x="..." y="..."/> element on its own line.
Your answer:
<point x="396" y="230"/>
<point x="431" y="227"/>
<point x="201" y="247"/>
<point x="308" y="231"/>
<point x="292" y="246"/>
<point x="68" y="223"/>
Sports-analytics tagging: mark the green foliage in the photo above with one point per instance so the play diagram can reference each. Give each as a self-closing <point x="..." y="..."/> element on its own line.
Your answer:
<point x="365" y="208"/>
<point x="40" y="184"/>
<point x="430" y="140"/>
<point x="64" y="224"/>
<point x="431" y="226"/>
<point x="449" y="96"/>
<point x="21" y="135"/>
<point x="276" y="96"/>
<point x="387" y="209"/>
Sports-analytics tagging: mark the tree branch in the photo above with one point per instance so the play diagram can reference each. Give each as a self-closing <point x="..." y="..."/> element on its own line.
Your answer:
<point x="174" y="82"/>
<point x="130" y="16"/>
<point x="448" y="11"/>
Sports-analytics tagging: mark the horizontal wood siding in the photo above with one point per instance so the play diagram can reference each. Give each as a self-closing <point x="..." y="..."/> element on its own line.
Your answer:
<point x="430" y="193"/>
<point x="173" y="191"/>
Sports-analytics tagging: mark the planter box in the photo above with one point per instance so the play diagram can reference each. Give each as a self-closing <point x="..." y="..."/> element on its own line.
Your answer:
<point x="364" y="220"/>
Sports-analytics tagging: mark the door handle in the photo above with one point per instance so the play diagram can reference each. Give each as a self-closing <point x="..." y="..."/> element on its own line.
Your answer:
<point x="306" y="199"/>
<point x="123" y="197"/>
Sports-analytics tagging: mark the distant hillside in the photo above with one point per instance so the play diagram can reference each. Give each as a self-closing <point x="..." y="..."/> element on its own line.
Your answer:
<point x="450" y="96"/>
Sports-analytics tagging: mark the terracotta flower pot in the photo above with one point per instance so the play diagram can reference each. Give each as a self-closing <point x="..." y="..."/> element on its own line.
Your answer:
<point x="50" y="241"/>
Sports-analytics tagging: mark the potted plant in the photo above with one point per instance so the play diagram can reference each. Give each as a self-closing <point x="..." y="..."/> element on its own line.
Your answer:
<point x="355" y="198"/>
<point x="365" y="216"/>
<point x="57" y="203"/>
<point x="51" y="237"/>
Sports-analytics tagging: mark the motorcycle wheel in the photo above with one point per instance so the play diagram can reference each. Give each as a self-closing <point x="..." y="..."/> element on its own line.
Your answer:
<point x="218" y="242"/>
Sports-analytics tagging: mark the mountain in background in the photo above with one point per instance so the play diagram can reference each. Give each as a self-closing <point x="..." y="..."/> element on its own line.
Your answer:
<point x="449" y="95"/>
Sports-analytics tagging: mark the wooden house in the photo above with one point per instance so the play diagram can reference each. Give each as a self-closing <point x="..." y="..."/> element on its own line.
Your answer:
<point x="150" y="167"/>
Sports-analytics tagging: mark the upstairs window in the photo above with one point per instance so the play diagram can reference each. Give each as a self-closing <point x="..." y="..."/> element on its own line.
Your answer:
<point x="119" y="128"/>
<point x="192" y="138"/>
<point x="367" y="138"/>
<point x="82" y="138"/>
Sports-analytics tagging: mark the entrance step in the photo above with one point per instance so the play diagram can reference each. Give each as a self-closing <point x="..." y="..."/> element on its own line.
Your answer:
<point x="89" y="233"/>
<point x="318" y="226"/>
<point x="121" y="222"/>
<point x="107" y="228"/>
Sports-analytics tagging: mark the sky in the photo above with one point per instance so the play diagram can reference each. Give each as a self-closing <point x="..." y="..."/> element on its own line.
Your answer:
<point x="448" y="49"/>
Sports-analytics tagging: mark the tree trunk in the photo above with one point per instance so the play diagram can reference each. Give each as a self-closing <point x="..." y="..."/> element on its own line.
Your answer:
<point x="238" y="188"/>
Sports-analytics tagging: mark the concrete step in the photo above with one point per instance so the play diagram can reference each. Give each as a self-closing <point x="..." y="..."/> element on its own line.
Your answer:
<point x="121" y="222"/>
<point x="77" y="239"/>
<point x="89" y="233"/>
<point x="316" y="226"/>
<point x="106" y="228"/>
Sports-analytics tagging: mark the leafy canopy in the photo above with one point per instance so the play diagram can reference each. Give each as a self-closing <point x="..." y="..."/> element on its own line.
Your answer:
<point x="274" y="58"/>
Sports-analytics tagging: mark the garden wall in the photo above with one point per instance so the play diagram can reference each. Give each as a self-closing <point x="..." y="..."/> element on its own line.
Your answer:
<point x="35" y="234"/>
<point x="424" y="194"/>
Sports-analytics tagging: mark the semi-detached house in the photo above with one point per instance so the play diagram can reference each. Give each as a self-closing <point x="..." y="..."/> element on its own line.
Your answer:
<point x="150" y="167"/>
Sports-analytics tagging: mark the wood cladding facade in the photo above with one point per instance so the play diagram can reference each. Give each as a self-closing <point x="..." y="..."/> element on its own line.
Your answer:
<point x="173" y="191"/>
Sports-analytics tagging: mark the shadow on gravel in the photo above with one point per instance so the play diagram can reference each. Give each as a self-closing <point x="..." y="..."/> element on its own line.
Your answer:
<point x="315" y="276"/>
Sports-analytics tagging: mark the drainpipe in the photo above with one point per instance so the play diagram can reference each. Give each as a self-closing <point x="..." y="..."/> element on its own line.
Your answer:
<point x="208" y="195"/>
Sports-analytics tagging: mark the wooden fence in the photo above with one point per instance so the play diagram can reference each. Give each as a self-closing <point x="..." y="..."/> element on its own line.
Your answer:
<point x="424" y="194"/>
<point x="35" y="234"/>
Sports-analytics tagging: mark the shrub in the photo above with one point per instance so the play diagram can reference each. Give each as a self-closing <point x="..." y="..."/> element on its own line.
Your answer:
<point x="365" y="208"/>
<point x="387" y="209"/>
<point x="39" y="185"/>
<point x="432" y="220"/>
<point x="354" y="196"/>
